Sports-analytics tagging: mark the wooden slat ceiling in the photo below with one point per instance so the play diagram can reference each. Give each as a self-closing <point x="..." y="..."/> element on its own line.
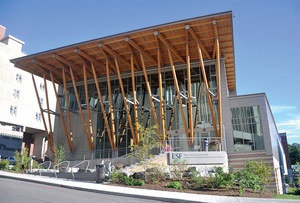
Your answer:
<point x="172" y="34"/>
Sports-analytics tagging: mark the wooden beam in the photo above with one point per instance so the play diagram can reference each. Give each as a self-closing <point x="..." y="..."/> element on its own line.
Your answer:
<point x="48" y="108"/>
<point x="61" y="60"/>
<point x="150" y="96"/>
<point x="102" y="107"/>
<point x="61" y="115"/>
<point x="173" y="112"/>
<point x="90" y="58"/>
<point x="137" y="47"/>
<point x="197" y="109"/>
<point x="125" y="102"/>
<point x="137" y="65"/>
<point x="161" y="96"/>
<point x="217" y="48"/>
<point x="158" y="47"/>
<point x="48" y="67"/>
<point x="68" y="108"/>
<point x="161" y="37"/>
<point x="178" y="95"/>
<point x="190" y="118"/>
<point x="112" y="65"/>
<point x="79" y="106"/>
<point x="134" y="100"/>
<point x="206" y="89"/>
<point x="48" y="72"/>
<point x="42" y="114"/>
<point x="192" y="32"/>
<point x="88" y="107"/>
<point x="111" y="105"/>
<point x="113" y="53"/>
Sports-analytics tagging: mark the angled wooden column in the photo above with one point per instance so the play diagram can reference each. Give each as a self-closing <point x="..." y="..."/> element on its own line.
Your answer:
<point x="61" y="114"/>
<point x="80" y="109"/>
<point x="134" y="100"/>
<point x="68" y="108"/>
<point x="162" y="113"/>
<point x="48" y="108"/>
<point x="88" y="107"/>
<point x="173" y="112"/>
<point x="217" y="48"/>
<point x="125" y="102"/>
<point x="150" y="96"/>
<point x="42" y="114"/>
<point x="189" y="93"/>
<point x="111" y="105"/>
<point x="102" y="107"/>
<point x="178" y="95"/>
<point x="197" y="109"/>
<point x="206" y="89"/>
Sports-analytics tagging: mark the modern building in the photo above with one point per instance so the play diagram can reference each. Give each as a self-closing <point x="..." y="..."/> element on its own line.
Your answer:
<point x="179" y="76"/>
<point x="20" y="117"/>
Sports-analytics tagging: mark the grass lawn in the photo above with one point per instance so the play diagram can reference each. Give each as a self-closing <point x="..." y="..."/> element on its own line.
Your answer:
<point x="290" y="195"/>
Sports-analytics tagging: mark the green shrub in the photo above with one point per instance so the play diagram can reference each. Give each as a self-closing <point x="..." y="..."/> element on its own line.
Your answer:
<point x="196" y="179"/>
<point x="175" y="185"/>
<point x="116" y="176"/>
<point x="247" y="179"/>
<point x="221" y="179"/>
<point x="262" y="170"/>
<point x="23" y="161"/>
<point x="3" y="164"/>
<point x="178" y="168"/>
<point x="128" y="181"/>
<point x="139" y="182"/>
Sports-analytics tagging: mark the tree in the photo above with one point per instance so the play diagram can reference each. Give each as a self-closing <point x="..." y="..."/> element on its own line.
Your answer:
<point x="22" y="161"/>
<point x="58" y="154"/>
<point x="294" y="151"/>
<point x="147" y="142"/>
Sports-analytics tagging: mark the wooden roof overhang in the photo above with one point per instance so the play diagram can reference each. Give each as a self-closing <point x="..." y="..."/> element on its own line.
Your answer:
<point x="145" y="40"/>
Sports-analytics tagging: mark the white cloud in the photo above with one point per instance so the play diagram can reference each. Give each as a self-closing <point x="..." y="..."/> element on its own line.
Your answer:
<point x="280" y="109"/>
<point x="292" y="128"/>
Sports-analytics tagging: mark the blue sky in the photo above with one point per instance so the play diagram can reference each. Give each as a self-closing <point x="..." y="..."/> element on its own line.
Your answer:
<point x="266" y="37"/>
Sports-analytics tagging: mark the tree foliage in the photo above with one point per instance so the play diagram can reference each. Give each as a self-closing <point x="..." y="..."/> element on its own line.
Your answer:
<point x="22" y="161"/>
<point x="58" y="154"/>
<point x="294" y="150"/>
<point x="147" y="142"/>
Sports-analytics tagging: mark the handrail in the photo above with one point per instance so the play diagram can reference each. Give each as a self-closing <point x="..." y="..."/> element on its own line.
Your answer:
<point x="79" y="164"/>
<point x="54" y="167"/>
<point x="42" y="164"/>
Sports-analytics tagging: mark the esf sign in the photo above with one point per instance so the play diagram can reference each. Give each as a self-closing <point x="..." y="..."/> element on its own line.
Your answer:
<point x="198" y="158"/>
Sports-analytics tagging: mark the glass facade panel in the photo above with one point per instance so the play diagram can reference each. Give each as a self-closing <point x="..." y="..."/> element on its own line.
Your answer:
<point x="173" y="117"/>
<point x="247" y="129"/>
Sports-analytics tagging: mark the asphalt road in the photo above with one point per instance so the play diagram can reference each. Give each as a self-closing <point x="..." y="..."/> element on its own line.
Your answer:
<point x="15" y="191"/>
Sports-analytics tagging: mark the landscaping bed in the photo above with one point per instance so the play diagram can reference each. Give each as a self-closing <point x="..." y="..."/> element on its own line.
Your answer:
<point x="234" y="191"/>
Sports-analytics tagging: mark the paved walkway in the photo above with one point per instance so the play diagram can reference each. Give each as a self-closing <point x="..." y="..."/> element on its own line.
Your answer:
<point x="163" y="196"/>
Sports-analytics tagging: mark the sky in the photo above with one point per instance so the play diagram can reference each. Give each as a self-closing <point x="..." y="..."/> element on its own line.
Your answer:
<point x="266" y="37"/>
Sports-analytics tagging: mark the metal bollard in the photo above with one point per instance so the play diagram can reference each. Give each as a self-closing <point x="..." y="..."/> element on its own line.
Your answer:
<point x="100" y="173"/>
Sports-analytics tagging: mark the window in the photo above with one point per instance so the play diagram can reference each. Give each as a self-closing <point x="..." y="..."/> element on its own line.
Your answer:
<point x="18" y="78"/>
<point x="38" y="117"/>
<point x="42" y="86"/>
<point x="247" y="129"/>
<point x="16" y="94"/>
<point x="41" y="101"/>
<point x="13" y="110"/>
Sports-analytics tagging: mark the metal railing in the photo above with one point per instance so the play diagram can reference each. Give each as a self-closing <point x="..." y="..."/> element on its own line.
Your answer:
<point x="54" y="167"/>
<point x="43" y="164"/>
<point x="79" y="164"/>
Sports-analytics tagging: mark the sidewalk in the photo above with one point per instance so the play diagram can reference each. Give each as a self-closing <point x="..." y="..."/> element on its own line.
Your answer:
<point x="139" y="193"/>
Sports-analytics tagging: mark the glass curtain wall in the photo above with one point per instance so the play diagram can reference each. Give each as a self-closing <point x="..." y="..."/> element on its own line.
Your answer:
<point x="173" y="118"/>
<point x="247" y="129"/>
